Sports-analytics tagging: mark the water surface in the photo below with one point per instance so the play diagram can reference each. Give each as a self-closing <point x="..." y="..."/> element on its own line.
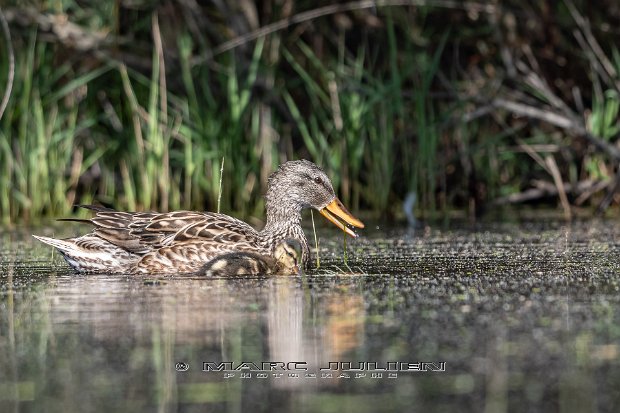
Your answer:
<point x="525" y="317"/>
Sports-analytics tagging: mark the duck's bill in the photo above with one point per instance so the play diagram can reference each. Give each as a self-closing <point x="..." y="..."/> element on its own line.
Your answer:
<point x="335" y="211"/>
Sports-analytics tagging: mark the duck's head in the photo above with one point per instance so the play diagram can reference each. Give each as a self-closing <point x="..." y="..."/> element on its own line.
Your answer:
<point x="288" y="255"/>
<point x="301" y="184"/>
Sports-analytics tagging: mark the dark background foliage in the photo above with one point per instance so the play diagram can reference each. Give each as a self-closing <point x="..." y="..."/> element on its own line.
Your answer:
<point x="465" y="105"/>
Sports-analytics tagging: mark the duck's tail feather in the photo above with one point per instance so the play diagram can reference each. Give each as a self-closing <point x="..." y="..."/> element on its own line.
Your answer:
<point x="83" y="221"/>
<point x="61" y="244"/>
<point x="92" y="254"/>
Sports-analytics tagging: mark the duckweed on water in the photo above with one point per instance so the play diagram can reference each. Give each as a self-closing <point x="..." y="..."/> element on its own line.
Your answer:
<point x="498" y="304"/>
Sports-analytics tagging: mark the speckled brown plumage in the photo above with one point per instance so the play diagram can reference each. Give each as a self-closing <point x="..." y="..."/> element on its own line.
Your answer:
<point x="183" y="241"/>
<point x="285" y="261"/>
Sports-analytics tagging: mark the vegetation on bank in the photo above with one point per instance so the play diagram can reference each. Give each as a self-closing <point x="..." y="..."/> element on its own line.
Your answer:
<point x="468" y="105"/>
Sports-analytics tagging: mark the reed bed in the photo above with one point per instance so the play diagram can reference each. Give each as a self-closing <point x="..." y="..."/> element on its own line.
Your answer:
<point x="137" y="111"/>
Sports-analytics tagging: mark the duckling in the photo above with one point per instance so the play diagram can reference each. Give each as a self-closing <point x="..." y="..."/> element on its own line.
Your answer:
<point x="286" y="261"/>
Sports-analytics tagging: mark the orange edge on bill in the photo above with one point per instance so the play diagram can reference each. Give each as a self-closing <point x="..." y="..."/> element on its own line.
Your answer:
<point x="335" y="210"/>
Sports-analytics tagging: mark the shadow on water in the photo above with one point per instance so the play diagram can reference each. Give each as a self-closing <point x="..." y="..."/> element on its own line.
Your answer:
<point x="525" y="318"/>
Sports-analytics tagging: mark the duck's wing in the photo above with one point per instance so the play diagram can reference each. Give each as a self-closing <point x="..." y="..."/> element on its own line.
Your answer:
<point x="187" y="249"/>
<point x="124" y="229"/>
<point x="218" y="228"/>
<point x="143" y="232"/>
<point x="203" y="227"/>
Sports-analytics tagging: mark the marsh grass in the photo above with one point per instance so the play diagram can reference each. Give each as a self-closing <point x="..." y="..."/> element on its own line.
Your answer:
<point x="153" y="148"/>
<point x="165" y="153"/>
<point x="316" y="241"/>
<point x="219" y="192"/>
<point x="41" y="163"/>
<point x="361" y="105"/>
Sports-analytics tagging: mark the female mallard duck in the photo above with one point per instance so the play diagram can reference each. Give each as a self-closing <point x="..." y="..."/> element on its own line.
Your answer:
<point x="285" y="261"/>
<point x="183" y="241"/>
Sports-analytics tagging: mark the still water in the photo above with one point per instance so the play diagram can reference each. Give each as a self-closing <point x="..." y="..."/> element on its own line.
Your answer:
<point x="526" y="317"/>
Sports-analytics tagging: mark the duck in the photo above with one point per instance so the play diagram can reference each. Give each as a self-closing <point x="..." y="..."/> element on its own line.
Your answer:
<point x="180" y="242"/>
<point x="285" y="261"/>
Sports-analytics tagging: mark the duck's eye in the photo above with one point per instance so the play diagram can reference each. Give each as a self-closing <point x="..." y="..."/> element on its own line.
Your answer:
<point x="292" y="256"/>
<point x="318" y="180"/>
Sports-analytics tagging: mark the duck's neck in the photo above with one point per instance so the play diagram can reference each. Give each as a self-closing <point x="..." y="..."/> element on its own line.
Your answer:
<point x="284" y="221"/>
<point x="282" y="215"/>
